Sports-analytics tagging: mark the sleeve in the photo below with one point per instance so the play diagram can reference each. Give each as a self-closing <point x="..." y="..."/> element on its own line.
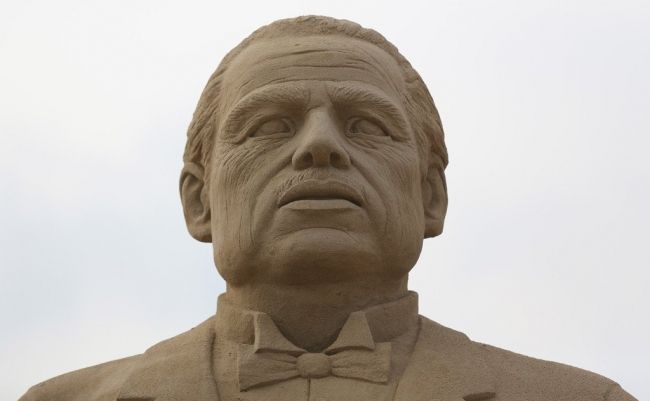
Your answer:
<point x="616" y="393"/>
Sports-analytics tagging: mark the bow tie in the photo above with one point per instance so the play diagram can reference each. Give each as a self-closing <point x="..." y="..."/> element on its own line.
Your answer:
<point x="273" y="358"/>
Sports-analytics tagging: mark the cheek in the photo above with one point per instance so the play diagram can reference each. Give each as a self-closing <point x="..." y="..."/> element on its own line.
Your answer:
<point x="235" y="184"/>
<point x="394" y="174"/>
<point x="393" y="171"/>
<point x="237" y="168"/>
<point x="406" y="197"/>
<point x="238" y="180"/>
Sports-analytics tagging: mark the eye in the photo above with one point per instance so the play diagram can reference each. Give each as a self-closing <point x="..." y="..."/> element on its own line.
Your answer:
<point x="366" y="127"/>
<point x="275" y="127"/>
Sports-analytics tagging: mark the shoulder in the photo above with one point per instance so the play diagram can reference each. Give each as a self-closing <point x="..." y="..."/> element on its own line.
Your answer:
<point x="103" y="382"/>
<point x="99" y="382"/>
<point x="519" y="377"/>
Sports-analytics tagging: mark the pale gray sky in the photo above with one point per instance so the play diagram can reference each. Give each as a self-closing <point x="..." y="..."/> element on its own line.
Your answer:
<point x="545" y="106"/>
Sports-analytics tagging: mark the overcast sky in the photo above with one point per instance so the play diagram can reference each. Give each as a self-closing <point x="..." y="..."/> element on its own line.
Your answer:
<point x="546" y="110"/>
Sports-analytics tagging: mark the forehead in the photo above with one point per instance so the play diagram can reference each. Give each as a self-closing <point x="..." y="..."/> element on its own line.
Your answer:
<point x="311" y="58"/>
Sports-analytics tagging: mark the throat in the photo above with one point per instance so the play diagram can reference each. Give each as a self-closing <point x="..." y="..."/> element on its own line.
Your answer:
<point x="312" y="316"/>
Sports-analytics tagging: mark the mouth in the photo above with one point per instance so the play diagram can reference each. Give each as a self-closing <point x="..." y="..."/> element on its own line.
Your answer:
<point x="321" y="193"/>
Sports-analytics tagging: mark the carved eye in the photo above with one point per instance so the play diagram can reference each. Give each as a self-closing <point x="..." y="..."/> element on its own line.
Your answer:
<point x="366" y="127"/>
<point x="275" y="127"/>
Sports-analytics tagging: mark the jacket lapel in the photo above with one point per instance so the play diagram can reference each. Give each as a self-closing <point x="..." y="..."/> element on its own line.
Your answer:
<point x="445" y="366"/>
<point x="174" y="368"/>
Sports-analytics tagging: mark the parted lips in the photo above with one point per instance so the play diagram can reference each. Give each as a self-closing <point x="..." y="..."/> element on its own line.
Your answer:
<point x="320" y="190"/>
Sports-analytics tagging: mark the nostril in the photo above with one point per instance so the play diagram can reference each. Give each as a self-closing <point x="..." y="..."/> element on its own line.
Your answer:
<point x="339" y="159"/>
<point x="320" y="155"/>
<point x="306" y="160"/>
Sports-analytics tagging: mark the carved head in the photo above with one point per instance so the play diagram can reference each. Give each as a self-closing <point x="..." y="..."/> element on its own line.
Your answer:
<point x="315" y="154"/>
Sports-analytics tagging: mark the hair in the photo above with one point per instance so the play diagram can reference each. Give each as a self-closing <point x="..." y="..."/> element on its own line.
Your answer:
<point x="418" y="103"/>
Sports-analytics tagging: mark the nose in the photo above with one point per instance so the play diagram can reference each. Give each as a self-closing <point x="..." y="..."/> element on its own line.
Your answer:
<point x="321" y="143"/>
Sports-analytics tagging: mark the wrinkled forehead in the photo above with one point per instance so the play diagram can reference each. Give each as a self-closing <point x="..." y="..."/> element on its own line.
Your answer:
<point x="319" y="58"/>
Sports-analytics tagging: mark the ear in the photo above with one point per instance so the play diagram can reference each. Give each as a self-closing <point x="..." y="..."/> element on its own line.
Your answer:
<point x="196" y="203"/>
<point x="434" y="198"/>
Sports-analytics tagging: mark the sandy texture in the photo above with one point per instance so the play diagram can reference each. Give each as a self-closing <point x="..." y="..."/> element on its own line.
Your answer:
<point x="315" y="167"/>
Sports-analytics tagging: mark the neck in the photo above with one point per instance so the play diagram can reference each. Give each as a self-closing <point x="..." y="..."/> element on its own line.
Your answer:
<point x="311" y="315"/>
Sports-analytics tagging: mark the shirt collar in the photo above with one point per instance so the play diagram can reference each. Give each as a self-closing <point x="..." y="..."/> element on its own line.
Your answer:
<point x="379" y="323"/>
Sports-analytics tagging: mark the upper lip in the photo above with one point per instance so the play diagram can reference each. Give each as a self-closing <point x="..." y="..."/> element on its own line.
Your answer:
<point x="321" y="189"/>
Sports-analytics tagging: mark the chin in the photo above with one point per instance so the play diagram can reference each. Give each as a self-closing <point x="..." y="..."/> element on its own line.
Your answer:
<point x="320" y="255"/>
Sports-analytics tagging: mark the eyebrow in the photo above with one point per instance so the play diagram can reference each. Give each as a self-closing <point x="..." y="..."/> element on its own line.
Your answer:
<point x="343" y="95"/>
<point x="295" y="96"/>
<point x="275" y="96"/>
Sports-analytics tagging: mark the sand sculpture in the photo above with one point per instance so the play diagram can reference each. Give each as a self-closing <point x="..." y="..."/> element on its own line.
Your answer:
<point x="315" y="166"/>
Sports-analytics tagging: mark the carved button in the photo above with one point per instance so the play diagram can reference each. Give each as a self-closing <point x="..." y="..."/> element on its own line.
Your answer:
<point x="313" y="365"/>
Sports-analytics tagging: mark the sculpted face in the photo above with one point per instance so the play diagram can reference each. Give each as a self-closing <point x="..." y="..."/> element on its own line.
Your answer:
<point x="316" y="175"/>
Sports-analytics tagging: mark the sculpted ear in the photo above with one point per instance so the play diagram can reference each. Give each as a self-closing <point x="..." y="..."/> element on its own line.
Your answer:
<point x="434" y="197"/>
<point x="196" y="204"/>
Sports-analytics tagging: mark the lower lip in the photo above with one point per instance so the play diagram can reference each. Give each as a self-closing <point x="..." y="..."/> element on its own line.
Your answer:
<point x="321" y="204"/>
